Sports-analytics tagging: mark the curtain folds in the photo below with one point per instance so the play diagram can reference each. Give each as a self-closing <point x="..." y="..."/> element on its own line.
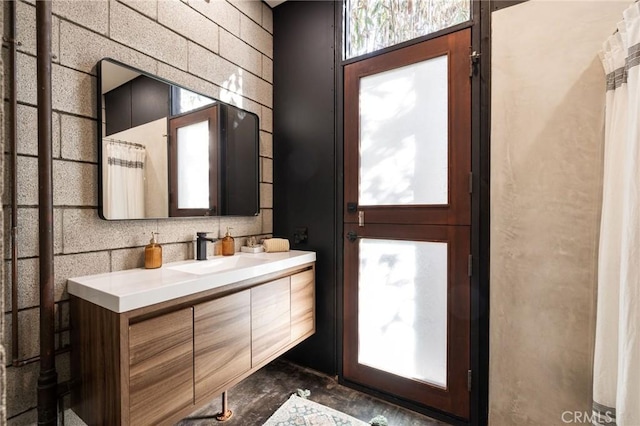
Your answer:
<point x="616" y="380"/>
<point x="125" y="180"/>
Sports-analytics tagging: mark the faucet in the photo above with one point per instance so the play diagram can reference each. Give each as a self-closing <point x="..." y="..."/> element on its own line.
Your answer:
<point x="201" y="245"/>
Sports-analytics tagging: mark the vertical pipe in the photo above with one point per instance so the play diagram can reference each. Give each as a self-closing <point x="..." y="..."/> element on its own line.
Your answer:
<point x="225" y="414"/>
<point x="48" y="378"/>
<point x="225" y="408"/>
<point x="13" y="105"/>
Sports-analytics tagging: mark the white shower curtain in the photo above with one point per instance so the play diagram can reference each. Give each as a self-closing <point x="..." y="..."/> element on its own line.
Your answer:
<point x="124" y="180"/>
<point x="616" y="380"/>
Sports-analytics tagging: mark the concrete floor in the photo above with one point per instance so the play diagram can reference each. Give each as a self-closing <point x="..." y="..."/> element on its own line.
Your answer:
<point x="256" y="398"/>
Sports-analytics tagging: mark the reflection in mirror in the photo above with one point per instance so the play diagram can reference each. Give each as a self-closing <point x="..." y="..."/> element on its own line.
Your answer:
<point x="193" y="166"/>
<point x="166" y="151"/>
<point x="194" y="173"/>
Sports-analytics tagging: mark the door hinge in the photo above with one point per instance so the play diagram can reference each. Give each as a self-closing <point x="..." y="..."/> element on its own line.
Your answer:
<point x="470" y="182"/>
<point x="470" y="265"/>
<point x="469" y="380"/>
<point x="474" y="60"/>
<point x="360" y="218"/>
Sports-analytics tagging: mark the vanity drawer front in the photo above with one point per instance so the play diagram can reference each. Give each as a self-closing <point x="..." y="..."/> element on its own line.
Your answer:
<point x="270" y="319"/>
<point x="302" y="304"/>
<point x="160" y="367"/>
<point x="222" y="342"/>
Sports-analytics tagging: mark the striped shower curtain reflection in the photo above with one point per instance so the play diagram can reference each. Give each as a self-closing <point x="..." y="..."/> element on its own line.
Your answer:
<point x="124" y="180"/>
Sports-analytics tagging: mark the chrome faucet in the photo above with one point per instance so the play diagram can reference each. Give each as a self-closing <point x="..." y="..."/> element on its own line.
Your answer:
<point x="201" y="245"/>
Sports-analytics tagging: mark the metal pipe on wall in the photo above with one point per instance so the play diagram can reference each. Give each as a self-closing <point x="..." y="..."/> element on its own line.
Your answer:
<point x="13" y="135"/>
<point x="48" y="377"/>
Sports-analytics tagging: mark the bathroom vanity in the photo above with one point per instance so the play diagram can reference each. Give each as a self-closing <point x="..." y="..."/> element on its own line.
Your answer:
<point x="152" y="346"/>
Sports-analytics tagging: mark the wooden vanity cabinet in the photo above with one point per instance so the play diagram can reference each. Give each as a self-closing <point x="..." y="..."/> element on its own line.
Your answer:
<point x="270" y="319"/>
<point x="157" y="364"/>
<point x="160" y="358"/>
<point x="222" y="342"/>
<point x="303" y="304"/>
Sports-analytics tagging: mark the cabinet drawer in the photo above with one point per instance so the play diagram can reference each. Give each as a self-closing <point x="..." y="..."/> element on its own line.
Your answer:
<point x="270" y="319"/>
<point x="302" y="304"/>
<point x="160" y="359"/>
<point x="222" y="342"/>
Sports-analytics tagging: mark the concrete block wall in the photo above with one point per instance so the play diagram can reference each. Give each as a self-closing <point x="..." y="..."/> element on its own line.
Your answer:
<point x="223" y="49"/>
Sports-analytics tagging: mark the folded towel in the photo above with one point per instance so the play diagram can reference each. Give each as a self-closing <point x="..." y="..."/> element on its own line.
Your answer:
<point x="272" y="245"/>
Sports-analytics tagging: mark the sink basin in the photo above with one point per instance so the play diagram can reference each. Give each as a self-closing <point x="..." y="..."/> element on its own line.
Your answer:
<point x="223" y="264"/>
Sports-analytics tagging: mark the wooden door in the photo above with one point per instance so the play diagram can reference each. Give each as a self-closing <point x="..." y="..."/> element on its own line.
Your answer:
<point x="407" y="223"/>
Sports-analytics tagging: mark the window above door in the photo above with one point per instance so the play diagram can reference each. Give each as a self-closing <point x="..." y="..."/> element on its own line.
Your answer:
<point x="371" y="25"/>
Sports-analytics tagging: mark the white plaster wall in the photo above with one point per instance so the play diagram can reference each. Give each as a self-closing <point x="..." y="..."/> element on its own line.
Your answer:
<point x="546" y="181"/>
<point x="223" y="49"/>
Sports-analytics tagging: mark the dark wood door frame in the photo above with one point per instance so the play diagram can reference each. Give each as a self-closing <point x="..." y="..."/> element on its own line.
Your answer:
<point x="454" y="398"/>
<point x="480" y="244"/>
<point x="209" y="114"/>
<point x="456" y="212"/>
<point x="448" y="222"/>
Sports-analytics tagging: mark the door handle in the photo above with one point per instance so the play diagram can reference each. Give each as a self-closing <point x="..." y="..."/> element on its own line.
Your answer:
<point x="352" y="207"/>
<point x="352" y="236"/>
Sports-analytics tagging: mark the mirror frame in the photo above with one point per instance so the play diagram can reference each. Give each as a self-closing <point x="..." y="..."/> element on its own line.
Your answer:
<point x="100" y="105"/>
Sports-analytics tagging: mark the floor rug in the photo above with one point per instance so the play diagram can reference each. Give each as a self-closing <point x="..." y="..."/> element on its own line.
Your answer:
<point x="302" y="412"/>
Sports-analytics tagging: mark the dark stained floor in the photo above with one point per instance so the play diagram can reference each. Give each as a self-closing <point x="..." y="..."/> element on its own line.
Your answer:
<point x="256" y="398"/>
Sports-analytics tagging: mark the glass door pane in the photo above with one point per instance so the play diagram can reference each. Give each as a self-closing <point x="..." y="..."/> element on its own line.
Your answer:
<point x="404" y="155"/>
<point x="193" y="166"/>
<point x="402" y="308"/>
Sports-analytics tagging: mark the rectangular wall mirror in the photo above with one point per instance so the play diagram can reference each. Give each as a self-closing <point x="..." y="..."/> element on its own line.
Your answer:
<point x="168" y="151"/>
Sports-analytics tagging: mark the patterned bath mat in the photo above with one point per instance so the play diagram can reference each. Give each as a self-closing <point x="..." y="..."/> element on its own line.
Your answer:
<point x="302" y="412"/>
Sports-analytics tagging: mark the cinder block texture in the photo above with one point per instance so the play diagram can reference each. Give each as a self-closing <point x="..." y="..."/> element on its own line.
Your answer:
<point x="81" y="49"/>
<point x="89" y="14"/>
<point x="184" y="20"/>
<point x="267" y="170"/>
<point x="220" y="12"/>
<point x="267" y="221"/>
<point x="28" y="133"/>
<point x="266" y="123"/>
<point x="26" y="30"/>
<point x="146" y="7"/>
<point x="240" y="53"/>
<point x="256" y="36"/>
<point x="147" y="36"/>
<point x="250" y="8"/>
<point x="78" y="139"/>
<point x="27" y="232"/>
<point x="27" y="284"/>
<point x="266" y="195"/>
<point x="220" y="49"/>
<point x="267" y="18"/>
<point x="266" y="145"/>
<point x="267" y="69"/>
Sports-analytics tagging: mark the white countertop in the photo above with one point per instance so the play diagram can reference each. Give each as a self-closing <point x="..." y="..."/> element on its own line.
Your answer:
<point x="124" y="291"/>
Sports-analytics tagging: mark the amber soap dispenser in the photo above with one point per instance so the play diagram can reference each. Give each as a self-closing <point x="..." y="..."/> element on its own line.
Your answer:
<point x="228" y="244"/>
<point x="153" y="253"/>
